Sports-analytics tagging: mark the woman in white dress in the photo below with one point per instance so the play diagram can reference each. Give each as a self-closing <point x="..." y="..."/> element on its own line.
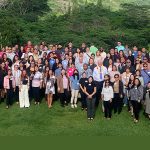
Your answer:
<point x="50" y="88"/>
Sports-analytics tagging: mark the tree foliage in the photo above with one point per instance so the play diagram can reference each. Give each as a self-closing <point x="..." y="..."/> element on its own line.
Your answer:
<point x="23" y="20"/>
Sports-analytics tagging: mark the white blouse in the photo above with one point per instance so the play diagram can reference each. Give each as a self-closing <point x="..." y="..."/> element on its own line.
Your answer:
<point x="108" y="93"/>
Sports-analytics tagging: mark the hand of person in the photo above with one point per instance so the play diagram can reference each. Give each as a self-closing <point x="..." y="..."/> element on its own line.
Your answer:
<point x="139" y="101"/>
<point x="5" y="91"/>
<point x="90" y="96"/>
<point x="58" y="89"/>
<point x="14" y="90"/>
<point x="110" y="100"/>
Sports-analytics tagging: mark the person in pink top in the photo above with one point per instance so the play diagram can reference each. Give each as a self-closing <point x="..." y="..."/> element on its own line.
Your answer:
<point x="113" y="72"/>
<point x="2" y="52"/>
<point x="70" y="70"/>
<point x="9" y="86"/>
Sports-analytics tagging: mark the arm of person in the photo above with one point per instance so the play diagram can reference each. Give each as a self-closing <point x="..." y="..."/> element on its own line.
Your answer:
<point x="140" y="93"/>
<point x="41" y="81"/>
<point x="85" y="91"/>
<point x="102" y="94"/>
<point x="93" y="92"/>
<point x="28" y="83"/>
<point x="111" y="93"/>
<point x="58" y="84"/>
<point x="81" y="88"/>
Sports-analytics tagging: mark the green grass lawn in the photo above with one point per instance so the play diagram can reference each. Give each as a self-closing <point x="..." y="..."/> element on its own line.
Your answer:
<point x="39" y="120"/>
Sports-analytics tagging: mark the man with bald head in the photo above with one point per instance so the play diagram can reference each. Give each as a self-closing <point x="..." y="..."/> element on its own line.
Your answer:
<point x="98" y="74"/>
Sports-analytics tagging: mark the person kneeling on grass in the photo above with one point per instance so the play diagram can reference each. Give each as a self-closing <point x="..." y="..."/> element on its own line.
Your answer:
<point x="107" y="96"/>
<point x="90" y="91"/>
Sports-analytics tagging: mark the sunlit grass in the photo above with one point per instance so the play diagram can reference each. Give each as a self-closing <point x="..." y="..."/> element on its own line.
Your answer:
<point x="39" y="120"/>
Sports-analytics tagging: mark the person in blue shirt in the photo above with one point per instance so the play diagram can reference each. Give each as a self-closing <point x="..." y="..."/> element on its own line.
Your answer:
<point x="51" y="62"/>
<point x="145" y="74"/>
<point x="74" y="84"/>
<point x="135" y="52"/>
<point x="65" y="61"/>
<point x="58" y="70"/>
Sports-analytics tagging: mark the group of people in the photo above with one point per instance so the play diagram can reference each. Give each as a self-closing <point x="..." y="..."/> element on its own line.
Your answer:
<point x="115" y="79"/>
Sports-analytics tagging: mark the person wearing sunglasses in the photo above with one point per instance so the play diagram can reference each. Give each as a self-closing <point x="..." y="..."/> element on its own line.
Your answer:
<point x="145" y="73"/>
<point x="145" y="61"/>
<point x="118" y="94"/>
<point x="128" y="65"/>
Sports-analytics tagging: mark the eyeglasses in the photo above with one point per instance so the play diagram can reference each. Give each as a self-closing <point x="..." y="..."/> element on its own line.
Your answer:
<point x="145" y="59"/>
<point x="144" y="66"/>
<point x="116" y="77"/>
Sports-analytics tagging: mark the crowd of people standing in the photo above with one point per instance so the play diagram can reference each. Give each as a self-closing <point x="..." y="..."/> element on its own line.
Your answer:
<point x="120" y="77"/>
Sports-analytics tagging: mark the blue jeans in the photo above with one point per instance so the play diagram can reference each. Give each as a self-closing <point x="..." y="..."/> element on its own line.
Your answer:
<point x="125" y="100"/>
<point x="90" y="107"/>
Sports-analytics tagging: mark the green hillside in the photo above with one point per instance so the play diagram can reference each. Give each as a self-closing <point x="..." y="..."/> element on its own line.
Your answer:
<point x="61" y="6"/>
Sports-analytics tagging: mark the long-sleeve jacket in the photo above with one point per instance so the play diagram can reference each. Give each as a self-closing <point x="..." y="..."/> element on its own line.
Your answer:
<point x="136" y="93"/>
<point x="6" y="82"/>
<point x="121" y="88"/>
<point x="60" y="83"/>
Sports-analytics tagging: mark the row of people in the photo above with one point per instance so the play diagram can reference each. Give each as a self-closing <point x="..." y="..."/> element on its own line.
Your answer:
<point x="64" y="73"/>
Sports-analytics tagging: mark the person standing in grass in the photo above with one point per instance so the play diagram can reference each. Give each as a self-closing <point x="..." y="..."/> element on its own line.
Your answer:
<point x="74" y="84"/>
<point x="37" y="85"/>
<point x="107" y="96"/>
<point x="9" y="86"/>
<point x="83" y="81"/>
<point x="118" y="94"/>
<point x="90" y="91"/>
<point x="147" y="100"/>
<point x="17" y="74"/>
<point x="136" y="95"/>
<point x="23" y="90"/>
<point x="50" y="87"/>
<point x="63" y="84"/>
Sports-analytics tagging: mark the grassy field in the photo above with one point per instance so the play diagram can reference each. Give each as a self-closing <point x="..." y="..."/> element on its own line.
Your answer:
<point x="39" y="120"/>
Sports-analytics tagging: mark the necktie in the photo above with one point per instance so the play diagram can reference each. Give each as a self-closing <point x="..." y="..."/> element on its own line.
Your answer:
<point x="101" y="73"/>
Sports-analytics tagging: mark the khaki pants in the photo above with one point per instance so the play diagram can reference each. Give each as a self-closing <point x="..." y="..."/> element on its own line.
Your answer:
<point x="74" y="96"/>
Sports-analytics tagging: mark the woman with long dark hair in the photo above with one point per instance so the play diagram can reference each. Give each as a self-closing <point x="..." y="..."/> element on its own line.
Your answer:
<point x="23" y="90"/>
<point x="107" y="96"/>
<point x="74" y="84"/>
<point x="118" y="94"/>
<point x="83" y="81"/>
<point x="3" y="73"/>
<point x="63" y="87"/>
<point x="9" y="86"/>
<point x="136" y="95"/>
<point x="129" y="86"/>
<point x="37" y="81"/>
<point x="50" y="87"/>
<point x="90" y="91"/>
